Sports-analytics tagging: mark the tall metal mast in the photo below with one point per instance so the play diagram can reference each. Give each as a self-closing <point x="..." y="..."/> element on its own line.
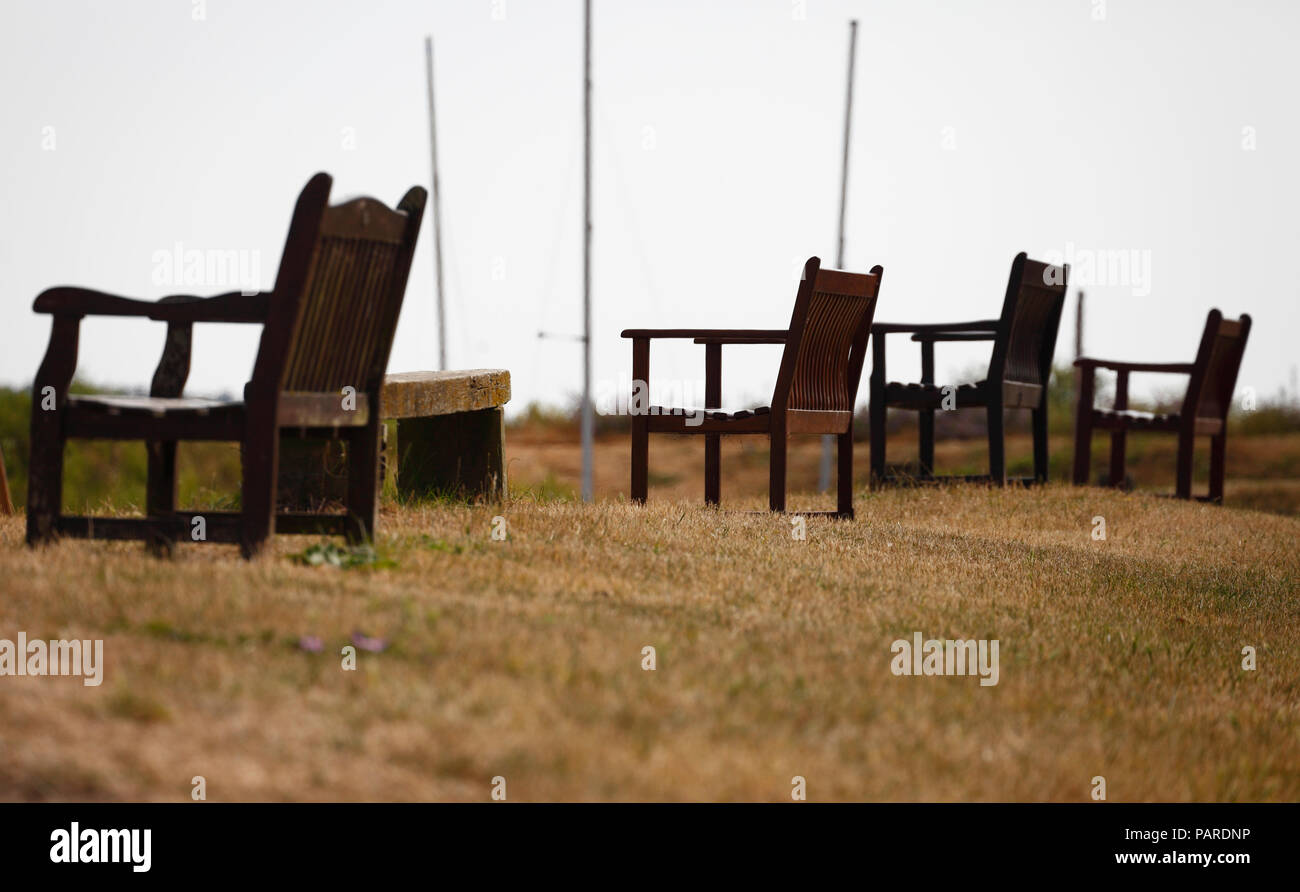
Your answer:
<point x="436" y="211"/>
<point x="588" y="420"/>
<point x="828" y="441"/>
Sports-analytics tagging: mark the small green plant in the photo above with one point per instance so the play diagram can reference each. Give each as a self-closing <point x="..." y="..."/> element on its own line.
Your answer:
<point x="551" y="489"/>
<point x="434" y="544"/>
<point x="351" y="557"/>
<point x="128" y="704"/>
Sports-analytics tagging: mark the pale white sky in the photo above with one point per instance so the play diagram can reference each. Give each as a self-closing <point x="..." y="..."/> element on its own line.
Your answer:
<point x="981" y="129"/>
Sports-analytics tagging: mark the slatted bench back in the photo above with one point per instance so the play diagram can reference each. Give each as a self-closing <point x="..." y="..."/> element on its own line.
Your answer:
<point x="1214" y="374"/>
<point x="822" y="364"/>
<point x="1031" y="316"/>
<point x="339" y="292"/>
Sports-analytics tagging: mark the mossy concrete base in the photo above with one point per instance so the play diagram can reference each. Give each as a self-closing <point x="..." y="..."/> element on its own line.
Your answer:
<point x="460" y="455"/>
<point x="450" y="432"/>
<point x="424" y="394"/>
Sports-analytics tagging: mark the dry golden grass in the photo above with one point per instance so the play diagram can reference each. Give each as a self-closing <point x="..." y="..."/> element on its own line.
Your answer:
<point x="522" y="658"/>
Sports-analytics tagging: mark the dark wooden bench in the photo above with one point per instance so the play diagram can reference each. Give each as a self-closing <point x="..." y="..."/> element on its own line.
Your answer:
<point x="816" y="384"/>
<point x="1212" y="377"/>
<point x="1023" y="338"/>
<point x="327" y="328"/>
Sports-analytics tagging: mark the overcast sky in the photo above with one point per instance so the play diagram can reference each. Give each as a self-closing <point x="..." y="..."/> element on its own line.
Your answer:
<point x="1160" y="132"/>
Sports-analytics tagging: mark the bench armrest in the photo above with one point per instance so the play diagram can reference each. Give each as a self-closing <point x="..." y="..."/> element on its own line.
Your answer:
<point x="1088" y="362"/>
<point x="704" y="335"/>
<point x="932" y="336"/>
<point x="775" y="337"/>
<point x="231" y="307"/>
<point x="68" y="305"/>
<point x="980" y="325"/>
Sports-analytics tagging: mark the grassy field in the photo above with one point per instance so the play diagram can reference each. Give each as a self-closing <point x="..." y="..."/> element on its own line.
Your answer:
<point x="522" y="658"/>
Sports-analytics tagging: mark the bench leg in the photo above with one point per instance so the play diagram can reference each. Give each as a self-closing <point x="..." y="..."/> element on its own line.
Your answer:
<point x="1218" y="457"/>
<point x="640" y="460"/>
<point x="160" y="495"/>
<point x="712" y="442"/>
<point x="640" y="483"/>
<point x="1183" y="478"/>
<point x="260" y="457"/>
<point x="844" y="476"/>
<point x="876" y="410"/>
<point x="876" y="419"/>
<point x="1082" y="452"/>
<point x="363" y="483"/>
<point x="925" y="418"/>
<point x="776" y="471"/>
<point x="45" y="465"/>
<point x="460" y="455"/>
<point x="160" y="492"/>
<point x="44" y="481"/>
<point x="1083" y="427"/>
<point x="997" y="446"/>
<point x="925" y="421"/>
<point x="1118" y="444"/>
<point x="1040" y="443"/>
<point x="712" y="469"/>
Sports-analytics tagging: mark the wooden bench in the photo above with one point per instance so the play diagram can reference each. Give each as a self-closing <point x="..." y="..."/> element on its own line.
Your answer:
<point x="1023" y="337"/>
<point x="327" y="326"/>
<point x="1212" y="378"/>
<point x="816" y="383"/>
<point x="450" y="431"/>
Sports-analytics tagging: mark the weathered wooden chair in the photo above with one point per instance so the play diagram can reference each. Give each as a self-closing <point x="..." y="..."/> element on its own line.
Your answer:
<point x="1024" y="339"/>
<point x="327" y="326"/>
<point x="1212" y="379"/>
<point x="816" y="385"/>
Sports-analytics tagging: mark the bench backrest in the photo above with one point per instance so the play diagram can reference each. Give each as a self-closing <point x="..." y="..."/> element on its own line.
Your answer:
<point x="1214" y="374"/>
<point x="1026" y="342"/>
<point x="822" y="364"/>
<point x="338" y="293"/>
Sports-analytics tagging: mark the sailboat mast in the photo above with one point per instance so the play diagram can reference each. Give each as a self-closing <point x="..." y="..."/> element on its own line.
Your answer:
<point x="588" y="420"/>
<point x="824" y="478"/>
<point x="435" y="209"/>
